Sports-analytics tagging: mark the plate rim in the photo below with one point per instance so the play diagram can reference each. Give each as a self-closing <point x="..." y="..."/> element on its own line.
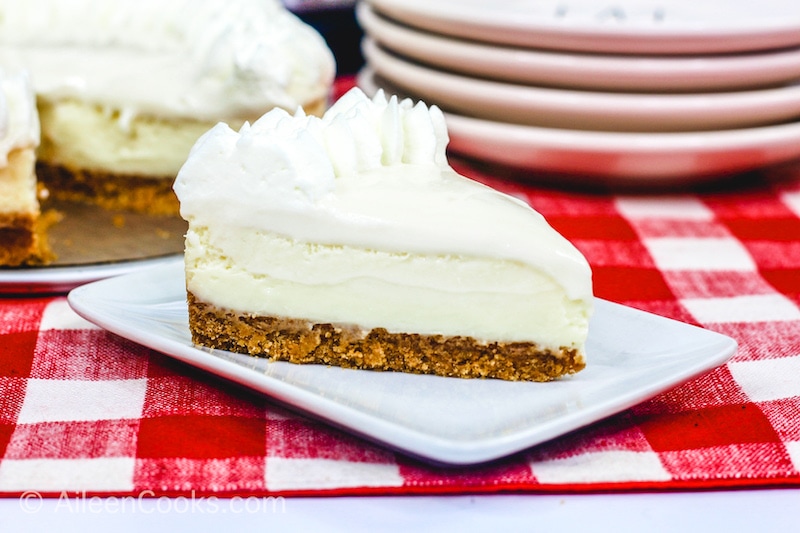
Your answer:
<point x="64" y="278"/>
<point x="493" y="26"/>
<point x="409" y="441"/>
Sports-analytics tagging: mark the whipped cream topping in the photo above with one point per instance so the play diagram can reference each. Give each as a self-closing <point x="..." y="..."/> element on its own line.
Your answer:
<point x="19" y="122"/>
<point x="372" y="174"/>
<point x="203" y="59"/>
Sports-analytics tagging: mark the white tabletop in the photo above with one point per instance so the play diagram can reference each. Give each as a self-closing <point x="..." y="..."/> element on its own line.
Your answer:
<point x="726" y="511"/>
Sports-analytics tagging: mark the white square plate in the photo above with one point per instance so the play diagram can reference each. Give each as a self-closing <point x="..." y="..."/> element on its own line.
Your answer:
<point x="632" y="356"/>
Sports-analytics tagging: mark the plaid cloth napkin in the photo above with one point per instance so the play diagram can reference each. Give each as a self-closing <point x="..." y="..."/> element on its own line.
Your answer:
<point x="84" y="410"/>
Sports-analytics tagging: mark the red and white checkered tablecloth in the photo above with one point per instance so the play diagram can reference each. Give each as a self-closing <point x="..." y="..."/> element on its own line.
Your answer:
<point x="83" y="411"/>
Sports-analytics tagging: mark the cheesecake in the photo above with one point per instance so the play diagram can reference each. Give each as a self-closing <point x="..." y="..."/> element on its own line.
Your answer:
<point x="125" y="87"/>
<point x="22" y="233"/>
<point x="349" y="240"/>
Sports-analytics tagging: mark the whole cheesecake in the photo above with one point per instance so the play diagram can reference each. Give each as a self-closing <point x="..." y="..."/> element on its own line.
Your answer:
<point x="22" y="240"/>
<point x="125" y="87"/>
<point x="348" y="240"/>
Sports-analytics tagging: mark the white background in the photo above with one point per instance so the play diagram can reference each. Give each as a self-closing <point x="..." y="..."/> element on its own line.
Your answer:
<point x="732" y="511"/>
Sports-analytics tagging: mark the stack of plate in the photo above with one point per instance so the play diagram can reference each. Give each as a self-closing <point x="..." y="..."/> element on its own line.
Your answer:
<point x="630" y="90"/>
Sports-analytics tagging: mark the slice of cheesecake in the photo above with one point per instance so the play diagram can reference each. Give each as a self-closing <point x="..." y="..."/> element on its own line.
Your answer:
<point x="21" y="238"/>
<point x="350" y="241"/>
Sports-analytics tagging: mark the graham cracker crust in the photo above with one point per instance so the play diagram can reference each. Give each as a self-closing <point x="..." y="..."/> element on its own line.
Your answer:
<point x="112" y="191"/>
<point x="300" y="341"/>
<point x="23" y="239"/>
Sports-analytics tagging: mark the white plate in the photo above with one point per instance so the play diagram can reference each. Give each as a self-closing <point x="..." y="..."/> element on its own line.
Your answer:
<point x="92" y="243"/>
<point x="632" y="356"/>
<point x="621" y="26"/>
<point x="588" y="71"/>
<point x="585" y="110"/>
<point x="616" y="158"/>
<point x="667" y="158"/>
<point x="62" y="279"/>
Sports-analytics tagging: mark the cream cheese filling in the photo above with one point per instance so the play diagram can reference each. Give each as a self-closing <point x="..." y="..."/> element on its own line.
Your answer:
<point x="80" y="135"/>
<point x="487" y="299"/>
<point x="18" y="183"/>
